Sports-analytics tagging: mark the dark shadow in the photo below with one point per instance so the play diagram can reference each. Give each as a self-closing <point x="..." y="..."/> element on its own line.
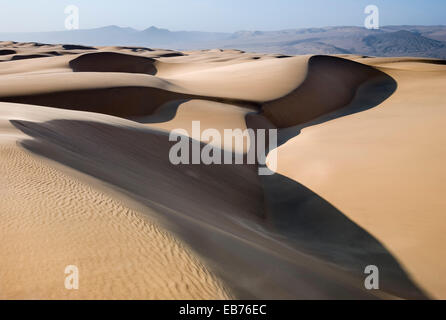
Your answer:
<point x="138" y="101"/>
<point x="34" y="44"/>
<point x="29" y="56"/>
<point x="77" y="47"/>
<point x="137" y="49"/>
<point x="113" y="62"/>
<point x="331" y="84"/>
<point x="313" y="225"/>
<point x="434" y="61"/>
<point x="318" y="228"/>
<point x="118" y="62"/>
<point x="171" y="54"/>
<point x="6" y="52"/>
<point x="164" y="113"/>
<point x="368" y="95"/>
<point x="300" y="246"/>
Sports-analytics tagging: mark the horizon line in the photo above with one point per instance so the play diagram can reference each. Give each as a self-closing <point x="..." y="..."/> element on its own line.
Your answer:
<point x="227" y="32"/>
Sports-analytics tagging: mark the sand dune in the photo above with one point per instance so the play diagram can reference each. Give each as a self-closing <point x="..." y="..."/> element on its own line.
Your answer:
<point x="50" y="220"/>
<point x="389" y="183"/>
<point x="212" y="115"/>
<point x="330" y="84"/>
<point x="86" y="178"/>
<point x="113" y="62"/>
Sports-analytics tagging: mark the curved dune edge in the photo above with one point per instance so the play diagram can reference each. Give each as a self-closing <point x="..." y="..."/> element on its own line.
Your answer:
<point x="244" y="81"/>
<point x="74" y="142"/>
<point x="92" y="91"/>
<point x="228" y="234"/>
<point x="120" y="254"/>
<point x="330" y="84"/>
<point x="257" y="81"/>
<point x="225" y="233"/>
<point x="113" y="62"/>
<point x="212" y="115"/>
<point x="379" y="183"/>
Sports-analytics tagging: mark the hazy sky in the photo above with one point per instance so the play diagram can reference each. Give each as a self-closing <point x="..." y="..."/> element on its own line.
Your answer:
<point x="215" y="15"/>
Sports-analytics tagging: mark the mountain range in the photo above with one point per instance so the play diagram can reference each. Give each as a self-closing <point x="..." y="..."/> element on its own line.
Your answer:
<point x="417" y="41"/>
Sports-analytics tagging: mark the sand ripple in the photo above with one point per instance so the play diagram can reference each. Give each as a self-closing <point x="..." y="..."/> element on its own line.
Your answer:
<point x="49" y="220"/>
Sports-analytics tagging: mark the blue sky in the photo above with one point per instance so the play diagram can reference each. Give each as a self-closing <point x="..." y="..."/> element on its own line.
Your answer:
<point x="215" y="15"/>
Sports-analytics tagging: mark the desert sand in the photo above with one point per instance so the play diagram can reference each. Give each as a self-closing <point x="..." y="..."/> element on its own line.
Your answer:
<point x="86" y="179"/>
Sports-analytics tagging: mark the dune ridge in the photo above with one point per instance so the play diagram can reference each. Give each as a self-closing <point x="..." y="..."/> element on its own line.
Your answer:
<point x="105" y="114"/>
<point x="330" y="84"/>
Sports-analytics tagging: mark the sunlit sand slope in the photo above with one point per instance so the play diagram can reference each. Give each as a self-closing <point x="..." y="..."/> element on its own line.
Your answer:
<point x="86" y="178"/>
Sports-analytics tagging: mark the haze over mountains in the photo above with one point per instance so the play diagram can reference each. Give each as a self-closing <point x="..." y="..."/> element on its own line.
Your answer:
<point x="419" y="41"/>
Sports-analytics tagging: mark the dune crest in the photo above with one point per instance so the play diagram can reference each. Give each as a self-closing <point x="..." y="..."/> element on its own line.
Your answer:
<point x="119" y="253"/>
<point x="113" y="62"/>
<point x="84" y="155"/>
<point x="330" y="84"/>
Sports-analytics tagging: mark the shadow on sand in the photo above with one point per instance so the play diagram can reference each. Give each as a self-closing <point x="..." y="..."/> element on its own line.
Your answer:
<point x="266" y="237"/>
<point x="318" y="228"/>
<point x="298" y="247"/>
<point x="369" y="95"/>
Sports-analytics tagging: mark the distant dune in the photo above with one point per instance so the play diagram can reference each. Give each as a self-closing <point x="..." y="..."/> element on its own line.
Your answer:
<point x="388" y="41"/>
<point x="85" y="176"/>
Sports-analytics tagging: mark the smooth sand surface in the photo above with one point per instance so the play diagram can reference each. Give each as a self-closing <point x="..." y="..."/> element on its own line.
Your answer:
<point x="50" y="220"/>
<point x="86" y="178"/>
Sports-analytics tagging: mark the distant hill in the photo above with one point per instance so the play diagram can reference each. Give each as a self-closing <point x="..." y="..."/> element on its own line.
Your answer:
<point x="421" y="41"/>
<point x="403" y="43"/>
